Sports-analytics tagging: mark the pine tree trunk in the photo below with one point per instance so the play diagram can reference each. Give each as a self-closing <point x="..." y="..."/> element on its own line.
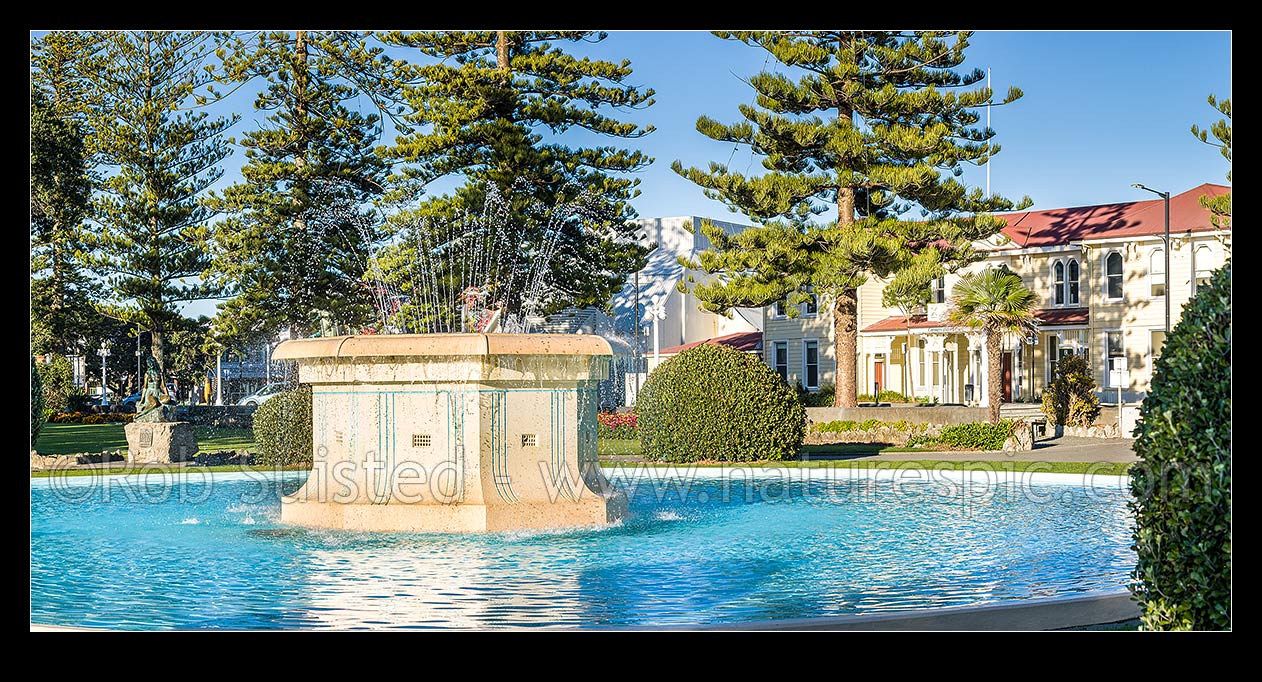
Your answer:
<point x="157" y="346"/>
<point x="846" y="309"/>
<point x="501" y="50"/>
<point x="845" y="343"/>
<point x="300" y="154"/>
<point x="994" y="370"/>
<point x="55" y="306"/>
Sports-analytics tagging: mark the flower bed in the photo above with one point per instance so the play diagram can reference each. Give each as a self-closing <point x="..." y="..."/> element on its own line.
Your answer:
<point x="92" y="418"/>
<point x="617" y="426"/>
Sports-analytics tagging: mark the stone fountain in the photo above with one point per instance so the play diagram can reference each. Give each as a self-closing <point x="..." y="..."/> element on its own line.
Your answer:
<point x="457" y="432"/>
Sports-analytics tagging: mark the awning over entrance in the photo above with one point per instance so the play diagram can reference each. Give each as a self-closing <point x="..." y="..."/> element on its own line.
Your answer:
<point x="1047" y="317"/>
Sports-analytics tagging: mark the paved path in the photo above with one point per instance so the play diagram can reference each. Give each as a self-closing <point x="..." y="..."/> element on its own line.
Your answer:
<point x="1063" y="449"/>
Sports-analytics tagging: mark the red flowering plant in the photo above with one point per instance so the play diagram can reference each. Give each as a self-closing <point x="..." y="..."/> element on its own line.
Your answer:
<point x="617" y="426"/>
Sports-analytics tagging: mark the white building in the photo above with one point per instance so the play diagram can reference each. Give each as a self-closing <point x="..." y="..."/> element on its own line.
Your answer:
<point x="655" y="289"/>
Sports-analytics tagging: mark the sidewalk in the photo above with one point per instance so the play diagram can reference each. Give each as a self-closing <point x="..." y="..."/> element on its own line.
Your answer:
<point x="1063" y="449"/>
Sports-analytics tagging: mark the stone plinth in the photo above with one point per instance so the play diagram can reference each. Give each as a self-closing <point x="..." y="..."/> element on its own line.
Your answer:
<point x="453" y="432"/>
<point x="160" y="442"/>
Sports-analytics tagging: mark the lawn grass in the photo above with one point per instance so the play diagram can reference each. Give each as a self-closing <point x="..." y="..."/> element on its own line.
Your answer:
<point x="71" y="439"/>
<point x="606" y="447"/>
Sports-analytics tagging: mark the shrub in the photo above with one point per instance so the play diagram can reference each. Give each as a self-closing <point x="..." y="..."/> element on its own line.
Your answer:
<point x="37" y="403"/>
<point x="824" y="397"/>
<point x="971" y="436"/>
<point x="80" y="401"/>
<point x="57" y="380"/>
<point x="1182" y="487"/>
<point x="1069" y="398"/>
<point x="714" y="402"/>
<point x="888" y="397"/>
<point x="93" y="419"/>
<point x="282" y="428"/>
<point x="617" y="426"/>
<point x="842" y="425"/>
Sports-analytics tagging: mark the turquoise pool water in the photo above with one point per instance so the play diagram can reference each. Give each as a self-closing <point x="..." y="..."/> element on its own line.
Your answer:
<point x="151" y="553"/>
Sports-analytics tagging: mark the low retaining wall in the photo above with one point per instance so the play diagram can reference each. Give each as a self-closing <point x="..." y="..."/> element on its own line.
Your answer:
<point x="1096" y="431"/>
<point x="43" y="462"/>
<point x="88" y="460"/>
<point x="935" y="414"/>
<point x="1054" y="613"/>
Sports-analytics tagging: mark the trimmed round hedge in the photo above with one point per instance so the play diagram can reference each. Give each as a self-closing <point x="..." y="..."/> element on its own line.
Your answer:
<point x="282" y="428"/>
<point x="716" y="403"/>
<point x="1182" y="486"/>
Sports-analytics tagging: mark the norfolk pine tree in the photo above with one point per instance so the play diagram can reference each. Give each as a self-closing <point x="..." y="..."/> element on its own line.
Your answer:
<point x="162" y="154"/>
<point x="298" y="237"/>
<point x="478" y="111"/>
<point x="873" y="127"/>
<point x="61" y="185"/>
<point x="61" y="295"/>
<point x="1219" y="206"/>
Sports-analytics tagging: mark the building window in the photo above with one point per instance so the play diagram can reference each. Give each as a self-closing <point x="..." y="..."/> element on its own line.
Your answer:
<point x="1113" y="354"/>
<point x="1203" y="260"/>
<point x="780" y="357"/>
<point x="1053" y="353"/>
<point x="1156" y="339"/>
<point x="1113" y="276"/>
<point x="920" y="344"/>
<point x="939" y="289"/>
<point x="811" y="307"/>
<point x="1073" y="282"/>
<point x="810" y="364"/>
<point x="1058" y="283"/>
<point x="937" y="368"/>
<point x="1157" y="273"/>
<point x="777" y="309"/>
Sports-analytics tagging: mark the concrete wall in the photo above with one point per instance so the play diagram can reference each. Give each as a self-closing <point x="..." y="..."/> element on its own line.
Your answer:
<point x="923" y="415"/>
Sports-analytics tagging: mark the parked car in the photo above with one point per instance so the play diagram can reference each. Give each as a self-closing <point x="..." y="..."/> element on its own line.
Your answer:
<point x="263" y="394"/>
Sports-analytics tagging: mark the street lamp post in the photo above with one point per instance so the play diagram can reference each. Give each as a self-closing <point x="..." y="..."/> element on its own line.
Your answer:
<point x="104" y="352"/>
<point x="1166" y="240"/>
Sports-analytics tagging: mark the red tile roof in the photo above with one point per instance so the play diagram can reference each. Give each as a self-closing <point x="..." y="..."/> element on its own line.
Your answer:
<point x="1047" y="317"/>
<point x="743" y="341"/>
<point x="1059" y="226"/>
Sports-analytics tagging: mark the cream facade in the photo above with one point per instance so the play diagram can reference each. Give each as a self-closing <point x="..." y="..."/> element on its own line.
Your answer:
<point x="1101" y="295"/>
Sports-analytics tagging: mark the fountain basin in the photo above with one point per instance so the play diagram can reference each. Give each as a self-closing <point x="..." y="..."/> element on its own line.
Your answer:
<point x="452" y="433"/>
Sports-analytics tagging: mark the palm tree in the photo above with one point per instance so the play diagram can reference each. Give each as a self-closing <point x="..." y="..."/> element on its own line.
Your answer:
<point x="997" y="301"/>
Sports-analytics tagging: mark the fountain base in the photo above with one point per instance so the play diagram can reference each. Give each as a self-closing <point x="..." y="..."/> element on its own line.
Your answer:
<point x="453" y="433"/>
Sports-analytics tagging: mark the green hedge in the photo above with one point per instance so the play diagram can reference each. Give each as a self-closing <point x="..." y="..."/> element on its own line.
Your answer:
<point x="824" y="397"/>
<point x="282" y="428"/>
<point x="717" y="403"/>
<point x="37" y="402"/>
<point x="843" y="425"/>
<point x="1182" y="487"/>
<point x="971" y="436"/>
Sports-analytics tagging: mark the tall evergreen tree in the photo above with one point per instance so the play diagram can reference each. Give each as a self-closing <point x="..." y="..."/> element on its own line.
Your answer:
<point x="61" y="293"/>
<point x="480" y="109"/>
<point x="1219" y="206"/>
<point x="62" y="66"/>
<point x="868" y="123"/>
<point x="298" y="239"/>
<point x="162" y="154"/>
<point x="61" y="184"/>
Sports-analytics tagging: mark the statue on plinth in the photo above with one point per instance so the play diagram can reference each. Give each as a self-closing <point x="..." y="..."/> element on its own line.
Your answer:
<point x="153" y="397"/>
<point x="155" y="435"/>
